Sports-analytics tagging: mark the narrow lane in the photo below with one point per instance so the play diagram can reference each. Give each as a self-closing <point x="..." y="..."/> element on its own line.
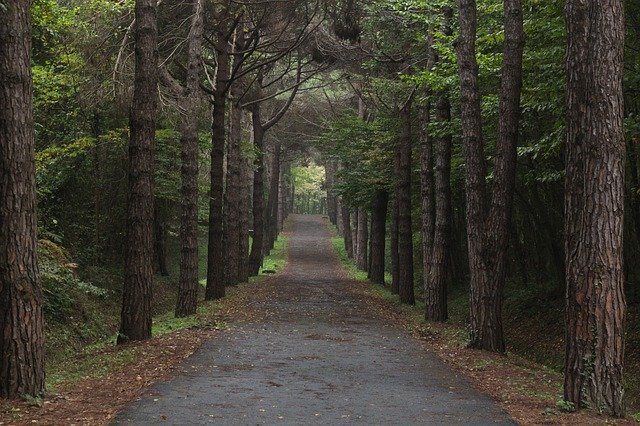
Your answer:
<point x="315" y="356"/>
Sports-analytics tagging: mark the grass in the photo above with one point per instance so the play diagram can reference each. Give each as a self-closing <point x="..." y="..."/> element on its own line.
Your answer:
<point x="94" y="360"/>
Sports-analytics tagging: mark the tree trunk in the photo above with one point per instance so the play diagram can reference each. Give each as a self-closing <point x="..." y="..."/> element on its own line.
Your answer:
<point x="339" y="221"/>
<point x="255" y="258"/>
<point x="403" y="199"/>
<point x="215" y="257"/>
<point x="21" y="323"/>
<point x="188" y="285"/>
<point x="378" y="235"/>
<point x="332" y="208"/>
<point x="138" y="269"/>
<point x="395" y="270"/>
<point x="594" y="206"/>
<point x="436" y="284"/>
<point x="488" y="220"/>
<point x="428" y="209"/>
<point x="160" y="239"/>
<point x="245" y="219"/>
<point x="354" y="233"/>
<point x="363" y="239"/>
<point x="233" y="194"/>
<point x="272" y="203"/>
<point x="346" y="223"/>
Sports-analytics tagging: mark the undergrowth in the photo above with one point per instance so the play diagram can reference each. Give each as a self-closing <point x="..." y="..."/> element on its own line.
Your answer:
<point x="81" y="330"/>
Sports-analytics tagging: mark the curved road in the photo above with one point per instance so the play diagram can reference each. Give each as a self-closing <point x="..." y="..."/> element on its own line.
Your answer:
<point x="314" y="357"/>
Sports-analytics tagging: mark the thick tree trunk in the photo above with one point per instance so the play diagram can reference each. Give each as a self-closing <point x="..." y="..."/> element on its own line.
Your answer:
<point x="138" y="269"/>
<point x="339" y="222"/>
<point x="21" y="324"/>
<point x="232" y="195"/>
<point x="188" y="285"/>
<point x="403" y="200"/>
<point x="436" y="284"/>
<point x="594" y="206"/>
<point x="363" y="239"/>
<point x="215" y="257"/>
<point x="255" y="258"/>
<point x="488" y="222"/>
<point x="378" y="236"/>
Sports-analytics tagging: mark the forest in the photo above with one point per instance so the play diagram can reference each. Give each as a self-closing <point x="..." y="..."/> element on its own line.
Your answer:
<point x="475" y="162"/>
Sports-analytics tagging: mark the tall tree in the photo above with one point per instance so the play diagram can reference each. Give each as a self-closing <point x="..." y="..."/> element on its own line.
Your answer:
<point x="488" y="217"/>
<point x="138" y="270"/>
<point x="21" y="324"/>
<point x="215" y="261"/>
<point x="188" y="285"/>
<point x="594" y="205"/>
<point x="403" y="207"/>
<point x="378" y="236"/>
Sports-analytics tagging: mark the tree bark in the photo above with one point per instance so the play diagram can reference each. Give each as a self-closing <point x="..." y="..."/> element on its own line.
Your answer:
<point x="160" y="239"/>
<point x="427" y="191"/>
<point x="346" y="223"/>
<point x="488" y="220"/>
<point x="255" y="258"/>
<point x="215" y="256"/>
<point x="272" y="203"/>
<point x="363" y="239"/>
<point x="594" y="206"/>
<point x="232" y="195"/>
<point x="378" y="236"/>
<point x="395" y="269"/>
<point x="403" y="200"/>
<point x="138" y="270"/>
<point x="188" y="285"/>
<point x="332" y="207"/>
<point x="245" y="219"/>
<point x="21" y="322"/>
<point x="436" y="284"/>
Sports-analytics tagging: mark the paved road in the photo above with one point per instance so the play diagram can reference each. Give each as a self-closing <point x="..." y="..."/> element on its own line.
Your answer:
<point x="315" y="357"/>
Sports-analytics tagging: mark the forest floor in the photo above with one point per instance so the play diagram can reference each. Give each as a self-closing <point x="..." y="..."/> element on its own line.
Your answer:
<point x="308" y="345"/>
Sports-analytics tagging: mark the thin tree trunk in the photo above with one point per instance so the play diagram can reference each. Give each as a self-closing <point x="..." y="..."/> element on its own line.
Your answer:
<point x="427" y="192"/>
<point x="403" y="199"/>
<point x="138" y="270"/>
<point x="255" y="258"/>
<point x="378" y="236"/>
<point x="188" y="285"/>
<point x="160" y="239"/>
<point x="215" y="257"/>
<point x="245" y="219"/>
<point x="332" y="208"/>
<point x="346" y="221"/>
<point x="363" y="239"/>
<point x="594" y="206"/>
<point x="488" y="222"/>
<point x="395" y="269"/>
<point x="354" y="233"/>
<point x="21" y="322"/>
<point x="436" y="285"/>
<point x="272" y="203"/>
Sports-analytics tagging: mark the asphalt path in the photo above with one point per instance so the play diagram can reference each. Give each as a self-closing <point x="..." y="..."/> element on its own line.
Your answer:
<point x="315" y="355"/>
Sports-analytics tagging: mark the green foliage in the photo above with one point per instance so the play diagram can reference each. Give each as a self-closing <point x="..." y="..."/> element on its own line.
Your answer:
<point x="366" y="152"/>
<point x="62" y="289"/>
<point x="566" y="406"/>
<point x="309" y="184"/>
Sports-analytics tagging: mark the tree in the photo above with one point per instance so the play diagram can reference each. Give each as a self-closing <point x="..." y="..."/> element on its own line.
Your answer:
<point x="488" y="217"/>
<point x="21" y="323"/>
<point x="188" y="285"/>
<point x="594" y="206"/>
<point x="138" y="270"/>
<point x="403" y="206"/>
